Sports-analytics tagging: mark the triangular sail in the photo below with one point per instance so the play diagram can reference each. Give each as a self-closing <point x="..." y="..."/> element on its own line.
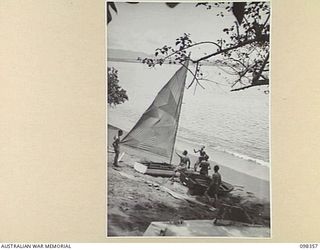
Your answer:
<point x="155" y="132"/>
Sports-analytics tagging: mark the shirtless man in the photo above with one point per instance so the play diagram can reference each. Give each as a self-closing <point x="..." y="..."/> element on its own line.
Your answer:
<point x="201" y="157"/>
<point x="116" y="146"/>
<point x="184" y="160"/>
<point x="213" y="188"/>
<point x="204" y="166"/>
<point x="183" y="165"/>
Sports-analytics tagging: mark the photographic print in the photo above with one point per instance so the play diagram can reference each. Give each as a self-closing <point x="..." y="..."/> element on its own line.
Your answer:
<point x="188" y="102"/>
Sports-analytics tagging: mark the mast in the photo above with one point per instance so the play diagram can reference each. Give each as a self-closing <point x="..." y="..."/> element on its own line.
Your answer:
<point x="179" y="109"/>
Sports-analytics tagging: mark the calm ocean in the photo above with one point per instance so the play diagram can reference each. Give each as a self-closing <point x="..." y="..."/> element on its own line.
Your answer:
<point x="234" y="126"/>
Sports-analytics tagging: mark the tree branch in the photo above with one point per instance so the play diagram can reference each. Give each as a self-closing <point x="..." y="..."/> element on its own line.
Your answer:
<point x="228" y="49"/>
<point x="193" y="45"/>
<point x="259" y="83"/>
<point x="194" y="76"/>
<point x="238" y="61"/>
<point x="265" y="23"/>
<point x="256" y="77"/>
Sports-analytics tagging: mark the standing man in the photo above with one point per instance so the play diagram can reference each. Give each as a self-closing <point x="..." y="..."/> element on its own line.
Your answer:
<point x="116" y="147"/>
<point x="204" y="166"/>
<point x="201" y="157"/>
<point x="213" y="188"/>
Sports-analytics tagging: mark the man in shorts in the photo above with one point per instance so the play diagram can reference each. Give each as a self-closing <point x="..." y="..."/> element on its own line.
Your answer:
<point x="116" y="147"/>
<point x="201" y="157"/>
<point x="213" y="188"/>
<point x="204" y="166"/>
<point x="183" y="165"/>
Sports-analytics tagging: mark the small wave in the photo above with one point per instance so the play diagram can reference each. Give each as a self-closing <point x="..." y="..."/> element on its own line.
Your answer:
<point x="242" y="156"/>
<point x="221" y="149"/>
<point x="197" y="143"/>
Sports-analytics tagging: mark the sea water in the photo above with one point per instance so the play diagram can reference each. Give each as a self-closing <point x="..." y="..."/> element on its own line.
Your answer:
<point x="233" y="126"/>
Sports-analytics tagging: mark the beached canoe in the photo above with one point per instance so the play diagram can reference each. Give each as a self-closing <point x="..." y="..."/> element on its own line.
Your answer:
<point x="198" y="184"/>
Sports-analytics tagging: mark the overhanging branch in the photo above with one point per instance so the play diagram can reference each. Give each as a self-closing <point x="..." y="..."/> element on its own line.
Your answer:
<point x="259" y="83"/>
<point x="241" y="44"/>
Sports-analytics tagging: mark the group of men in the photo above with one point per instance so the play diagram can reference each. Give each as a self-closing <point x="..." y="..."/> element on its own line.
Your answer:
<point x="184" y="165"/>
<point x="201" y="163"/>
<point x="204" y="166"/>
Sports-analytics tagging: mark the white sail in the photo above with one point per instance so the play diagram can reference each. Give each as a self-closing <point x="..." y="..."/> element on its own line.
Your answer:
<point x="156" y="130"/>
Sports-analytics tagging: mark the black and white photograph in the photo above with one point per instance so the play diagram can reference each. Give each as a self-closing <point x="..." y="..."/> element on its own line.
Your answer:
<point x="188" y="119"/>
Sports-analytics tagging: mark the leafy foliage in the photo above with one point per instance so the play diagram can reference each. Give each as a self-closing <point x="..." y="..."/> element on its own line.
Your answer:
<point x="112" y="5"/>
<point x="244" y="47"/>
<point x="116" y="94"/>
<point x="238" y="10"/>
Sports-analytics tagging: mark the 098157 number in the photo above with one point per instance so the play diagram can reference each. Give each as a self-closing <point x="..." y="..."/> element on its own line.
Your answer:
<point x="308" y="246"/>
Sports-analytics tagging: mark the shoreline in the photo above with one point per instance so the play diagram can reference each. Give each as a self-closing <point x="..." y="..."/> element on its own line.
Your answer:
<point x="134" y="201"/>
<point x="234" y="163"/>
<point x="243" y="166"/>
<point x="222" y="157"/>
<point x="253" y="184"/>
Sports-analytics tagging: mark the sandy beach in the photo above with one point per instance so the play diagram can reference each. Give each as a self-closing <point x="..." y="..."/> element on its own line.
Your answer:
<point x="135" y="200"/>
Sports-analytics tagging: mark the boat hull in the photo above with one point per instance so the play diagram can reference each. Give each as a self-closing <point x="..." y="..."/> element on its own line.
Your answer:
<point x="198" y="184"/>
<point x="155" y="169"/>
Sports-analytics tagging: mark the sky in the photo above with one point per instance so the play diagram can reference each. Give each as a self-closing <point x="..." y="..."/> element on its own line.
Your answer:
<point x="147" y="26"/>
